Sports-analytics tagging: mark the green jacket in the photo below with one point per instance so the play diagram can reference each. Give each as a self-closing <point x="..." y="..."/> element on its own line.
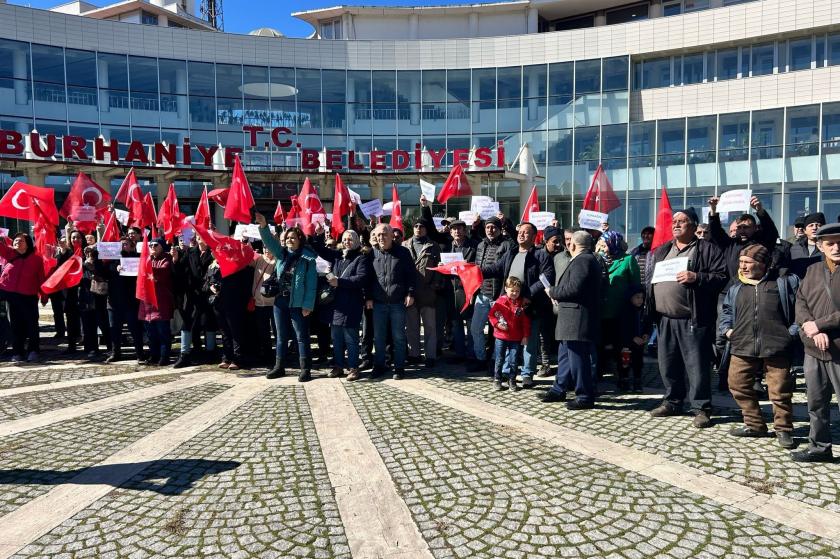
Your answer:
<point x="305" y="280"/>
<point x="623" y="274"/>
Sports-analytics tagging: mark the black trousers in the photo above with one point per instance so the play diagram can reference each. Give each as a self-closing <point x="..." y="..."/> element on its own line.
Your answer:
<point x="23" y="313"/>
<point x="232" y="320"/>
<point x="367" y="334"/>
<point x="685" y="359"/>
<point x="57" y="303"/>
<point x="74" y="317"/>
<point x="125" y="314"/>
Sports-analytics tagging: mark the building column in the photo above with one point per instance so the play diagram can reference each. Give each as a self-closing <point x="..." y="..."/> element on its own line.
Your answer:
<point x="103" y="179"/>
<point x="533" y="20"/>
<point x="36" y="177"/>
<point x="656" y="8"/>
<point x="600" y="18"/>
<point x="413" y="26"/>
<point x="473" y="24"/>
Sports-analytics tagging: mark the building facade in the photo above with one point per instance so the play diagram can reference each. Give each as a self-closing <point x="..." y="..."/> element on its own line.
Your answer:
<point x="698" y="97"/>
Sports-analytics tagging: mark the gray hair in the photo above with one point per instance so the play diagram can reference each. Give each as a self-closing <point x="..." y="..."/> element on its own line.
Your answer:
<point x="385" y="228"/>
<point x="583" y="239"/>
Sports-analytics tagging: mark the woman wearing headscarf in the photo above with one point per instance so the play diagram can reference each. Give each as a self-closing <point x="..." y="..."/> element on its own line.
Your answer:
<point x="157" y="318"/>
<point x="623" y="274"/>
<point x="348" y="275"/>
<point x="298" y="278"/>
<point x="20" y="279"/>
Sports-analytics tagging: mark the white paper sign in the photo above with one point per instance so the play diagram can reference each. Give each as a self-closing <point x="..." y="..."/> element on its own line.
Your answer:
<point x="735" y="201"/>
<point x="109" y="251"/>
<point x="187" y="233"/>
<point x="450" y="257"/>
<point x="545" y="282"/>
<point x="372" y="208"/>
<point x="541" y="220"/>
<point x="316" y="218"/>
<point x="477" y="202"/>
<point x="129" y="266"/>
<point x="321" y="265"/>
<point x="239" y="231"/>
<point x="354" y="197"/>
<point x="428" y="190"/>
<point x="84" y="213"/>
<point x="438" y="223"/>
<point x="588" y="219"/>
<point x="485" y="206"/>
<point x="468" y="217"/>
<point x="122" y="216"/>
<point x="667" y="270"/>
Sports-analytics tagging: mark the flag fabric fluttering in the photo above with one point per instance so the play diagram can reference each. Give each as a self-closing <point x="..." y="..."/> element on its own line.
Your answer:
<point x="396" y="221"/>
<point x="293" y="217"/>
<point x="170" y="218"/>
<point x="85" y="193"/>
<point x="27" y="202"/>
<point x="310" y="204"/>
<point x="145" y="290"/>
<point x="232" y="255"/>
<point x="456" y="185"/>
<point x="279" y="215"/>
<point x="148" y="217"/>
<point x="112" y="230"/>
<point x="202" y="212"/>
<point x="532" y="205"/>
<point x="219" y="195"/>
<point x="65" y="276"/>
<point x="664" y="216"/>
<point x="342" y="205"/>
<point x="469" y="274"/>
<point x="45" y="238"/>
<point x="129" y="190"/>
<point x="240" y="200"/>
<point x="601" y="197"/>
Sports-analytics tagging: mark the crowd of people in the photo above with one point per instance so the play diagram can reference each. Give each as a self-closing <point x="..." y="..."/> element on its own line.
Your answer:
<point x="567" y="303"/>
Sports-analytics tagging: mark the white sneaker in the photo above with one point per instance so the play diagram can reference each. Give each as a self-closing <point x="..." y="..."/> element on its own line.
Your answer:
<point x="32" y="357"/>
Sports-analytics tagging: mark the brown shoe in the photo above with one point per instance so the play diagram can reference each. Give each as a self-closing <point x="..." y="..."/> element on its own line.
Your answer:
<point x="336" y="372"/>
<point x="233" y="367"/>
<point x="664" y="410"/>
<point x="354" y="375"/>
<point x="224" y="365"/>
<point x="702" y="420"/>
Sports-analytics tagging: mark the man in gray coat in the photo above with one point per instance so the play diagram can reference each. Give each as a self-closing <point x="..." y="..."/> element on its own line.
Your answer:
<point x="426" y="254"/>
<point x="577" y="295"/>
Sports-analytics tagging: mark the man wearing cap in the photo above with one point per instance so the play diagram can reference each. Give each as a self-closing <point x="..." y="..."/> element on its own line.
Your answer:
<point x="805" y="252"/>
<point x="489" y="251"/>
<point x="640" y="253"/>
<point x="685" y="310"/>
<point x="758" y="320"/>
<point x="798" y="229"/>
<point x="426" y="254"/>
<point x="817" y="314"/>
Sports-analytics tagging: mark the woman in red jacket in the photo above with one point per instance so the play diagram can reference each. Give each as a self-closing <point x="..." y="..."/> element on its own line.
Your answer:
<point x="22" y="276"/>
<point x="511" y="328"/>
<point x="157" y="318"/>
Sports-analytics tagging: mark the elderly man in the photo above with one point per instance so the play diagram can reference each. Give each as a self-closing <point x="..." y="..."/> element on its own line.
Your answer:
<point x="526" y="263"/>
<point x="389" y="293"/>
<point x="817" y="304"/>
<point x="805" y="251"/>
<point x="578" y="296"/>
<point x="426" y="254"/>
<point x="747" y="232"/>
<point x="684" y="304"/>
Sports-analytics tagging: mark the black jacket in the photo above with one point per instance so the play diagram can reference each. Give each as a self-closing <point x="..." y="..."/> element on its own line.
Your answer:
<point x="393" y="275"/>
<point x="800" y="261"/>
<point x="536" y="262"/>
<point x="353" y="272"/>
<point x="703" y="293"/>
<point x="578" y="296"/>
<point x="488" y="253"/>
<point x="121" y="289"/>
<point x="765" y="236"/>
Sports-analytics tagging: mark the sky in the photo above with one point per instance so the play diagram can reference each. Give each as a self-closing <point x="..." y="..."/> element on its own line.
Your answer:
<point x="241" y="16"/>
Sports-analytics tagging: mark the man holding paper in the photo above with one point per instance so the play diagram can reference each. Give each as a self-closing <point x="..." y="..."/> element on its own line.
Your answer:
<point x="682" y="297"/>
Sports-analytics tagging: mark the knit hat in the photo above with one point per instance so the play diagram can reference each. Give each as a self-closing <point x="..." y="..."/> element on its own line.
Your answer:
<point x="692" y="215"/>
<point x="757" y="252"/>
<point x="817" y="217"/>
<point x="550" y="232"/>
<point x="493" y="220"/>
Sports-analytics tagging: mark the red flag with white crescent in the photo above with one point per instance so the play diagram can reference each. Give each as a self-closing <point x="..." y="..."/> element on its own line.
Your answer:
<point x="148" y="216"/>
<point x="279" y="216"/>
<point x="21" y="200"/>
<point x="456" y="185"/>
<point x="601" y="197"/>
<point x="65" y="276"/>
<point x="170" y="217"/>
<point x="85" y="194"/>
<point x="396" y="221"/>
<point x="310" y="204"/>
<point x="145" y="290"/>
<point x="202" y="213"/>
<point x="470" y="275"/>
<point x="342" y="205"/>
<point x="112" y="230"/>
<point x="240" y="199"/>
<point x="232" y="255"/>
<point x="532" y="205"/>
<point x="662" y="233"/>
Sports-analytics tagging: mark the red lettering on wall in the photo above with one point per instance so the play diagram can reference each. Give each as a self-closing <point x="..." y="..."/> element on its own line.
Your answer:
<point x="310" y="160"/>
<point x="252" y="130"/>
<point x="35" y="142"/>
<point x="352" y="164"/>
<point x="333" y="159"/>
<point x="12" y="143"/>
<point x="170" y="153"/>
<point x="230" y="154"/>
<point x="207" y="153"/>
<point x="483" y="157"/>
<point x="400" y="159"/>
<point x="437" y="157"/>
<point x="275" y="137"/>
<point x="100" y="148"/>
<point x="136" y="152"/>
<point x="74" y="146"/>
<point x="461" y="156"/>
<point x="377" y="160"/>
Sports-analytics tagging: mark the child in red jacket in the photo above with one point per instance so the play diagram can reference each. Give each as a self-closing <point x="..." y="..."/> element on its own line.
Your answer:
<point x="511" y="329"/>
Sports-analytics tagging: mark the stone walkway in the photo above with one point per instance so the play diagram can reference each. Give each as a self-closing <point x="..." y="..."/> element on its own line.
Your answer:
<point x="121" y="461"/>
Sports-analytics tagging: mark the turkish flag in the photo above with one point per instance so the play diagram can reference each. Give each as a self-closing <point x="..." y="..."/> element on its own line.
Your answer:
<point x="112" y="230"/>
<point x="664" y="216"/>
<point x="45" y="238"/>
<point x="232" y="255"/>
<point x="129" y="190"/>
<point x="310" y="205"/>
<point x="85" y="193"/>
<point x="202" y="213"/>
<point x="148" y="217"/>
<point x="532" y="205"/>
<point x="293" y="219"/>
<point x="23" y="201"/>
<point x="65" y="276"/>
<point x="470" y="275"/>
<point x="279" y="216"/>
<point x="601" y="197"/>
<point x="219" y="195"/>
<point x="170" y="217"/>
<point x="145" y="290"/>
<point x="342" y="205"/>
<point x="396" y="221"/>
<point x="456" y="185"/>
<point x="240" y="200"/>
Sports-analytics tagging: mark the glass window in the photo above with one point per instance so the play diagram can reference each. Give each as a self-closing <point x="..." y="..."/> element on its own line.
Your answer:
<point x="586" y="143"/>
<point x="615" y="73"/>
<point x="484" y="84"/>
<point x="673" y="8"/>
<point x="534" y="80"/>
<point x="580" y="22"/>
<point x="696" y="5"/>
<point x="734" y="136"/>
<point x="767" y="131"/>
<point x="333" y="84"/>
<point x="627" y="14"/>
<point x="762" y="59"/>
<point x="458" y="85"/>
<point x="202" y="112"/>
<point x="255" y="82"/>
<point x="800" y="54"/>
<point x="700" y="139"/>
<point x="671" y="136"/>
<point x="819" y="51"/>
<point x="434" y="86"/>
<point x="228" y="80"/>
<point x="143" y="74"/>
<point x="202" y="78"/>
<point x="692" y="68"/>
<point x="14" y="59"/>
<point x="615" y="107"/>
<point x="614" y="141"/>
<point x="509" y="115"/>
<point x="173" y="76"/>
<point x="48" y="64"/>
<point x="509" y="83"/>
<point x="560" y="79"/>
<point x="587" y="76"/>
<point x="656" y="73"/>
<point x="81" y="67"/>
<point x="147" y="18"/>
<point x="834" y="49"/>
<point x="309" y="115"/>
<point x="384" y="86"/>
<point x="831" y="124"/>
<point x="802" y="130"/>
<point x="283" y="85"/>
<point x="308" y="84"/>
<point x="727" y="64"/>
<point x="641" y="139"/>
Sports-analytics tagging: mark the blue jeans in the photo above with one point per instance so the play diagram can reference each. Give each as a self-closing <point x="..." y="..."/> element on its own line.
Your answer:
<point x="345" y="338"/>
<point x="282" y="312"/>
<point x="574" y="365"/>
<point x="507" y="354"/>
<point x="481" y="310"/>
<point x="462" y="343"/>
<point x="389" y="316"/>
<point x="531" y="351"/>
<point x="159" y="338"/>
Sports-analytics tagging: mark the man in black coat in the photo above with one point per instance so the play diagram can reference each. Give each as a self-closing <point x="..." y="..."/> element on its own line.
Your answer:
<point x="804" y="251"/>
<point x="577" y="295"/>
<point x="685" y="309"/>
<point x="527" y="263"/>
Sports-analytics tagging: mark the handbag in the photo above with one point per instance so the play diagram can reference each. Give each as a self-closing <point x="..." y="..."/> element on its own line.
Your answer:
<point x="270" y="286"/>
<point x="98" y="287"/>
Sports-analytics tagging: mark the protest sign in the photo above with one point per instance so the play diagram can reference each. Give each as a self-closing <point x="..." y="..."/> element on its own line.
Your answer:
<point x="109" y="251"/>
<point x="129" y="266"/>
<point x="122" y="216"/>
<point x="468" y="217"/>
<point x="541" y="220"/>
<point x="735" y="201"/>
<point x="667" y="270"/>
<point x="428" y="190"/>
<point x="449" y="257"/>
<point x="372" y="208"/>
<point x="588" y="219"/>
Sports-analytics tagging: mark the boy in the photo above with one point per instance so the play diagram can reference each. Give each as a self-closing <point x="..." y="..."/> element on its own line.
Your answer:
<point x="511" y="328"/>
